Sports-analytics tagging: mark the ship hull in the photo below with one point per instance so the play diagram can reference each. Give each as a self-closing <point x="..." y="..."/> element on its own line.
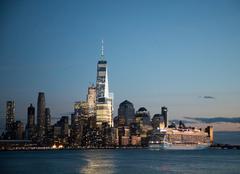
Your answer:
<point x="168" y="146"/>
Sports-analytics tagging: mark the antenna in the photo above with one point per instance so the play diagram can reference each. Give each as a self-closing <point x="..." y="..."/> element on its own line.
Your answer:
<point x="102" y="54"/>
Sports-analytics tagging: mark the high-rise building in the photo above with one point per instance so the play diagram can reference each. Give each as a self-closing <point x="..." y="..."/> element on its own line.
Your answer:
<point x="41" y="117"/>
<point x="47" y="120"/>
<point x="103" y="100"/>
<point x="78" y="128"/>
<point x="19" y="130"/>
<point x="61" y="130"/>
<point x="104" y="113"/>
<point x="81" y="108"/>
<point x="126" y="111"/>
<point x="164" y="114"/>
<point x="75" y="129"/>
<point x="142" y="116"/>
<point x="30" y="122"/>
<point x="91" y="100"/>
<point x="65" y="126"/>
<point x="10" y="116"/>
<point x="158" y="122"/>
<point x="102" y="79"/>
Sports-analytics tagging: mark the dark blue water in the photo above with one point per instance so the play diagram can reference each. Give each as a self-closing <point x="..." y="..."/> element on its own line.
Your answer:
<point x="227" y="138"/>
<point x="121" y="161"/>
<point x="126" y="160"/>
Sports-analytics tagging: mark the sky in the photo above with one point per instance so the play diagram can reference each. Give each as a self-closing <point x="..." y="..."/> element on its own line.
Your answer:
<point x="181" y="54"/>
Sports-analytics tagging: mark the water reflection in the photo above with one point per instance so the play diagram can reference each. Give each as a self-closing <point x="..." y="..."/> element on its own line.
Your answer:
<point x="98" y="162"/>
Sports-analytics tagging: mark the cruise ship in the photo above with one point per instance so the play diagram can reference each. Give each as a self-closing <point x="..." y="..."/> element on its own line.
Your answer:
<point x="181" y="138"/>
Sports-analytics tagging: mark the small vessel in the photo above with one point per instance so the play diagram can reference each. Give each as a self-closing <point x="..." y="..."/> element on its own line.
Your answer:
<point x="179" y="139"/>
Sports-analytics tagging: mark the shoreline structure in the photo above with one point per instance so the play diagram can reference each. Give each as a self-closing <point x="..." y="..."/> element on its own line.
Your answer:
<point x="28" y="145"/>
<point x="58" y="148"/>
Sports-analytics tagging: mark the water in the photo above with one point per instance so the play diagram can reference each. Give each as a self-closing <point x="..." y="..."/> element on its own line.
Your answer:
<point x="125" y="160"/>
<point x="121" y="161"/>
<point x="227" y="137"/>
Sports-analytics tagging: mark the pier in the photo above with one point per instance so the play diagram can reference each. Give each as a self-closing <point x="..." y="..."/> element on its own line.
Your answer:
<point x="225" y="146"/>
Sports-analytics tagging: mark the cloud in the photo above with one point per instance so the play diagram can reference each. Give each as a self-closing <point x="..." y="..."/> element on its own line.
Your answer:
<point x="184" y="121"/>
<point x="207" y="97"/>
<point x="215" y="119"/>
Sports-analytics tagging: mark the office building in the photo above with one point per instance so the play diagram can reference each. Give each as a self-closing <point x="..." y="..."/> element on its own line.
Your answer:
<point x="164" y="114"/>
<point x="158" y="122"/>
<point x="19" y="130"/>
<point x="81" y="108"/>
<point x="61" y="130"/>
<point x="47" y="121"/>
<point x="142" y="116"/>
<point x="91" y="100"/>
<point x="30" y="128"/>
<point x="126" y="112"/>
<point x="10" y="116"/>
<point x="103" y="100"/>
<point x="41" y="117"/>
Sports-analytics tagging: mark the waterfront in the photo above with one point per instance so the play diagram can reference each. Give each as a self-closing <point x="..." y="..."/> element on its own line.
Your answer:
<point x="125" y="160"/>
<point x="120" y="161"/>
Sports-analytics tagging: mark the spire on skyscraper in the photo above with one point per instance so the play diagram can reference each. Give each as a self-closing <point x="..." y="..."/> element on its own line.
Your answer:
<point x="102" y="51"/>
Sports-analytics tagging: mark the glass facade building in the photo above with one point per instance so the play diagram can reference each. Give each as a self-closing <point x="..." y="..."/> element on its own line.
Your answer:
<point x="103" y="100"/>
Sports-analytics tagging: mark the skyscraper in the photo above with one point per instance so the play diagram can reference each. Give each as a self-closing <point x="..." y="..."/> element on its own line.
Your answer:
<point x="142" y="116"/>
<point x="19" y="129"/>
<point x="41" y="118"/>
<point x="102" y="79"/>
<point x="47" y="120"/>
<point x="81" y="108"/>
<point x="103" y="100"/>
<point x="60" y="129"/>
<point x="30" y="121"/>
<point x="127" y="111"/>
<point x="158" y="121"/>
<point x="10" y="116"/>
<point x="164" y="114"/>
<point x="91" y="100"/>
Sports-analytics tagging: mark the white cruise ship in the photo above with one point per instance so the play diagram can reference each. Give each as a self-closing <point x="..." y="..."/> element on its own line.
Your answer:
<point x="180" y="139"/>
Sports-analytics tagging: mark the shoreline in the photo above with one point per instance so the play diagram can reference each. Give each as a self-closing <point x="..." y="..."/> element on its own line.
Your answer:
<point x="214" y="146"/>
<point x="66" y="148"/>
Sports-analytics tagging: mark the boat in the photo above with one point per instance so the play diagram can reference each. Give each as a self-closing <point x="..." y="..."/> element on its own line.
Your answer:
<point x="179" y="139"/>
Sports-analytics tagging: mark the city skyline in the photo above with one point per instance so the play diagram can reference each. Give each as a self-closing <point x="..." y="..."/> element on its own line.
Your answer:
<point x="156" y="57"/>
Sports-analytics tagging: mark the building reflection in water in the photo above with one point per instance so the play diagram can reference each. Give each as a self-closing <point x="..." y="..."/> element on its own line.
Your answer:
<point x="98" y="162"/>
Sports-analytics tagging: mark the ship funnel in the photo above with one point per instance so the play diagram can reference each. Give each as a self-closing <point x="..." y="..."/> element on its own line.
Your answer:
<point x="209" y="130"/>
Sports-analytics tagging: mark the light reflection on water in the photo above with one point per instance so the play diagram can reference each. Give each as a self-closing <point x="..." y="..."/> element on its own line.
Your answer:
<point x="126" y="161"/>
<point x="150" y="162"/>
<point x="99" y="163"/>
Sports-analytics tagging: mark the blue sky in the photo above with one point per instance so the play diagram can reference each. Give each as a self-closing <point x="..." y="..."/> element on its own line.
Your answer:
<point x="159" y="53"/>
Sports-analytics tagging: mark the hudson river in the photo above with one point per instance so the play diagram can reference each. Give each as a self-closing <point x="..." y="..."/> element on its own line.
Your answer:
<point x="120" y="161"/>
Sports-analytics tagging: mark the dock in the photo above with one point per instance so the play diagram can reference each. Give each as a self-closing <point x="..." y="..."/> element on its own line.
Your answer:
<point x="225" y="146"/>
